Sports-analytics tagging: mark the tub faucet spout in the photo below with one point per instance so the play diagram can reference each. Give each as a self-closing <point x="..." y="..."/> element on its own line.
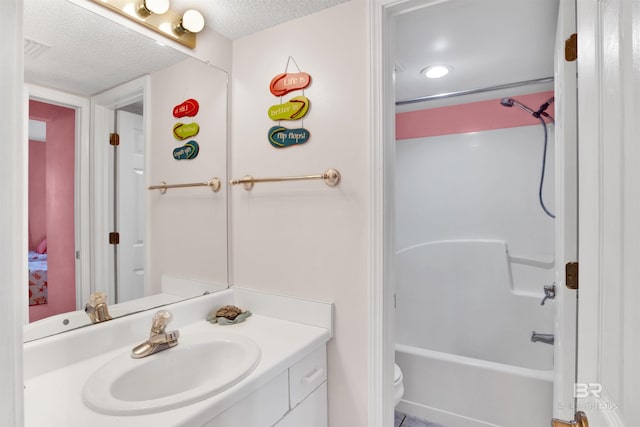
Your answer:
<point x="544" y="338"/>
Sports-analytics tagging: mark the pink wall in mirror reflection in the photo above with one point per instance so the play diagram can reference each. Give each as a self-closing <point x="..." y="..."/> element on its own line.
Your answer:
<point x="51" y="205"/>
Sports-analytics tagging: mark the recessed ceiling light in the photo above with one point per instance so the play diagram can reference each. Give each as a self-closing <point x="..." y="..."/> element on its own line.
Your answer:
<point x="435" y="71"/>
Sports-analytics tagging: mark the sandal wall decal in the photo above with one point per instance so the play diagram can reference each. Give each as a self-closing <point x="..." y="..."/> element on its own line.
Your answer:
<point x="284" y="83"/>
<point x="295" y="109"/>
<point x="281" y="137"/>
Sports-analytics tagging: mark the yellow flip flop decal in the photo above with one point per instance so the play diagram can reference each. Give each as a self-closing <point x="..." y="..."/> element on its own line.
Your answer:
<point x="182" y="131"/>
<point x="295" y="109"/>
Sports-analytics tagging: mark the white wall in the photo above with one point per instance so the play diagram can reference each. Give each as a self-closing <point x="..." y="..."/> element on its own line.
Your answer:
<point x="188" y="226"/>
<point x="13" y="224"/>
<point x="480" y="185"/>
<point x="304" y="238"/>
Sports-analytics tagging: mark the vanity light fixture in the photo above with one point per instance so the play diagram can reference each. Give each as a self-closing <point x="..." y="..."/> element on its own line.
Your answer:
<point x="435" y="71"/>
<point x="192" y="22"/>
<point x="158" y="16"/>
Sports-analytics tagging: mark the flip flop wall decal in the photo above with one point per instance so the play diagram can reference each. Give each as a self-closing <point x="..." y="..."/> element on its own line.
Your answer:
<point x="295" y="109"/>
<point x="182" y="131"/>
<point x="188" y="108"/>
<point x="284" y="83"/>
<point x="188" y="151"/>
<point x="281" y="137"/>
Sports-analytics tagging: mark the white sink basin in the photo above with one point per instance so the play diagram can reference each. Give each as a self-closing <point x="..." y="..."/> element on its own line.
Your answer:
<point x="197" y="368"/>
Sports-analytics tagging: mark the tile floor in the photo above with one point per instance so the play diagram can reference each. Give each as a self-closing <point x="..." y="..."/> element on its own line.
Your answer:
<point x="404" y="420"/>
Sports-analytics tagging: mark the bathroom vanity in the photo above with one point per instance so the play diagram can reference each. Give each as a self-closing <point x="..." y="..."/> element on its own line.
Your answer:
<point x="284" y="386"/>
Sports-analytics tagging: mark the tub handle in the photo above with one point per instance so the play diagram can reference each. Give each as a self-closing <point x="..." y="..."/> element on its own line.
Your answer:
<point x="549" y="293"/>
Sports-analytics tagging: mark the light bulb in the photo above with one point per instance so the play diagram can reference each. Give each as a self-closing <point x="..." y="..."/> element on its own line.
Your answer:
<point x="192" y="21"/>
<point x="148" y="7"/>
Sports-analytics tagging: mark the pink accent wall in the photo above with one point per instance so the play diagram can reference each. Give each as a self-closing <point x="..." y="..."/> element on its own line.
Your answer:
<point x="37" y="193"/>
<point x="471" y="117"/>
<point x="59" y="206"/>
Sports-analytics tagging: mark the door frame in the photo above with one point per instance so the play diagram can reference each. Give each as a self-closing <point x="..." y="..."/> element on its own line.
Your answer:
<point x="609" y="208"/>
<point x="13" y="224"/>
<point x="382" y="292"/>
<point x="103" y="108"/>
<point x="81" y="106"/>
<point x="382" y="161"/>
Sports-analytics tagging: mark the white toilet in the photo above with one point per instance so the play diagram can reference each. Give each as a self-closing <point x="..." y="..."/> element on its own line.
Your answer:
<point x="398" y="386"/>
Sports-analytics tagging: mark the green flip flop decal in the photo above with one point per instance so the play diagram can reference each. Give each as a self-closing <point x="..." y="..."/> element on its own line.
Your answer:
<point x="281" y="137"/>
<point x="295" y="109"/>
<point x="182" y="131"/>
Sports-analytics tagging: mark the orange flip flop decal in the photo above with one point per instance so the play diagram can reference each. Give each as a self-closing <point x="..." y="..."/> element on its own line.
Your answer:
<point x="284" y="83"/>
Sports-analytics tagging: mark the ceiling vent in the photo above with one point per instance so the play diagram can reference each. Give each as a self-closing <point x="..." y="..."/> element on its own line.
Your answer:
<point x="33" y="49"/>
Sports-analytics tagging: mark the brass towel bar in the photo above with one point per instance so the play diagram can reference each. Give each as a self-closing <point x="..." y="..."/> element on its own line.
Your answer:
<point x="331" y="177"/>
<point x="214" y="183"/>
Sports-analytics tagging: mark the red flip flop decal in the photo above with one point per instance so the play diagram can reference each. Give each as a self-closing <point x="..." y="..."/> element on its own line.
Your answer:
<point x="188" y="108"/>
<point x="284" y="83"/>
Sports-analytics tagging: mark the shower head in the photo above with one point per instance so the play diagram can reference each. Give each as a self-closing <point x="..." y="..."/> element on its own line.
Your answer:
<point x="507" y="102"/>
<point x="510" y="102"/>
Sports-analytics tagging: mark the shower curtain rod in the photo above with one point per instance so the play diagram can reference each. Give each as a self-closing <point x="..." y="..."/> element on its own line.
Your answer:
<point x="472" y="91"/>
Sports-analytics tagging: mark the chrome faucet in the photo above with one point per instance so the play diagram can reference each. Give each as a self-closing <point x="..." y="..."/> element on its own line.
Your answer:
<point x="159" y="339"/>
<point x="96" y="308"/>
<point x="544" y="338"/>
<point x="549" y="293"/>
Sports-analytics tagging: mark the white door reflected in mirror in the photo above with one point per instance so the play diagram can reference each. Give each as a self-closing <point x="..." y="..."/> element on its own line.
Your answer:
<point x="129" y="200"/>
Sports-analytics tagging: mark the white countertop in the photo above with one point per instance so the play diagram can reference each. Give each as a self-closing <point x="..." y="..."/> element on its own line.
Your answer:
<point x="53" y="395"/>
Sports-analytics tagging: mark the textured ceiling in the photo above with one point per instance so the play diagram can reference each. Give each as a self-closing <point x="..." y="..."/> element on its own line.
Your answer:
<point x="87" y="54"/>
<point x="485" y="42"/>
<point x="237" y="18"/>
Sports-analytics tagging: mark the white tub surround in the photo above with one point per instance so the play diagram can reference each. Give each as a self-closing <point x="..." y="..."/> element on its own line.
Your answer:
<point x="464" y="336"/>
<point x="288" y="385"/>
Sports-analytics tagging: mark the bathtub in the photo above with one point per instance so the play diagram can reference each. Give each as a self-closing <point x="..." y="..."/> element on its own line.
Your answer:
<point x="463" y="338"/>
<point x="458" y="391"/>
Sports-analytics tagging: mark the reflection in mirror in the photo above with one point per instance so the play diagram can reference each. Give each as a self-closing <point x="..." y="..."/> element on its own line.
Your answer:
<point x="81" y="188"/>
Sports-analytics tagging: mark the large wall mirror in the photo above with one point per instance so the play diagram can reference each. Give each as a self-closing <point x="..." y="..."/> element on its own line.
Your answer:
<point x="87" y="77"/>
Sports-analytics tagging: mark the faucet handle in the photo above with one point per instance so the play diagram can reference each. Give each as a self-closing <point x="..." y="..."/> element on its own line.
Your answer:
<point x="549" y="293"/>
<point x="160" y="320"/>
<point x="97" y="298"/>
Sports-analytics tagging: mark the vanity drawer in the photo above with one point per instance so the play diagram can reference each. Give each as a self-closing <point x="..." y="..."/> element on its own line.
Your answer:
<point x="306" y="375"/>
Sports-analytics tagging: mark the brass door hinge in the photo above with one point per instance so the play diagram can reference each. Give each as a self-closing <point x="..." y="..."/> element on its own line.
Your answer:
<point x="114" y="139"/>
<point x="580" y="421"/>
<point x="571" y="48"/>
<point x="114" y="238"/>
<point x="571" y="275"/>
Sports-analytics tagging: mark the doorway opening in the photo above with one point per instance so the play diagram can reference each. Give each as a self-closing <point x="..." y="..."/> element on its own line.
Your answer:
<point x="439" y="185"/>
